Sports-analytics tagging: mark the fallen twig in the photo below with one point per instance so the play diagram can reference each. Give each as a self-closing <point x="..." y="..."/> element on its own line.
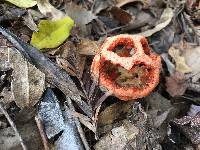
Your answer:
<point x="78" y="125"/>
<point x="13" y="126"/>
<point x="42" y="133"/>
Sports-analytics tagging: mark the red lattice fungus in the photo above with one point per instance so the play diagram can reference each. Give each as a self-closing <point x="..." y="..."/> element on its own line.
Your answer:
<point x="126" y="66"/>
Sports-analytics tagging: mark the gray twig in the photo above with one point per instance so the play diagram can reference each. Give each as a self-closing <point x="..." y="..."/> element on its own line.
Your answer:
<point x="78" y="125"/>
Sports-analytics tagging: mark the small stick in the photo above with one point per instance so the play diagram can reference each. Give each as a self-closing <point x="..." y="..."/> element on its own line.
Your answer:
<point x="13" y="126"/>
<point x="42" y="133"/>
<point x="102" y="99"/>
<point x="78" y="125"/>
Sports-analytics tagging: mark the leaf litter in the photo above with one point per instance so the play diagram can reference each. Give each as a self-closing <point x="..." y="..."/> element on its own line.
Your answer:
<point x="78" y="106"/>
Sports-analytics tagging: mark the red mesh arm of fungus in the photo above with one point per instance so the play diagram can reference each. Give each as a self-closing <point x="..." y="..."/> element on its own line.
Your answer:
<point x="126" y="66"/>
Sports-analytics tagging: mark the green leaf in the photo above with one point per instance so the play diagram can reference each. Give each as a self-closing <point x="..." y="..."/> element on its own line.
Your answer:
<point x="52" y="33"/>
<point x="23" y="3"/>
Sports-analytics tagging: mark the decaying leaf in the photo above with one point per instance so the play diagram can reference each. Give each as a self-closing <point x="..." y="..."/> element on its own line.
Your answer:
<point x="112" y="114"/>
<point x="87" y="47"/>
<point x="50" y="114"/>
<point x="80" y="15"/>
<point x="28" y="82"/>
<point x="160" y="107"/>
<point x="191" y="56"/>
<point x="165" y="19"/>
<point x="119" y="137"/>
<point x="71" y="60"/>
<point x="22" y="3"/>
<point x="175" y="84"/>
<point x="52" y="33"/>
<point x="121" y="15"/>
<point x="181" y="65"/>
<point x="49" y="11"/>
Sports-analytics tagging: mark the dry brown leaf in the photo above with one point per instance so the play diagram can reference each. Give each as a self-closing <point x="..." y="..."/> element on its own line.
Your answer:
<point x="71" y="60"/>
<point x="181" y="65"/>
<point x="175" y="84"/>
<point x="87" y="47"/>
<point x="121" y="15"/>
<point x="165" y="19"/>
<point x="28" y="82"/>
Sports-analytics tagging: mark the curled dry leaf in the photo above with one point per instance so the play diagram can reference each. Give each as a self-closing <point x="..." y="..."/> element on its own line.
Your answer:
<point x="49" y="11"/>
<point x="28" y="82"/>
<point x="165" y="19"/>
<point x="181" y="65"/>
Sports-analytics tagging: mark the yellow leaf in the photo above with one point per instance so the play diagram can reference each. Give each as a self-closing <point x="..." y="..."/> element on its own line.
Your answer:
<point x="23" y="3"/>
<point x="52" y="33"/>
